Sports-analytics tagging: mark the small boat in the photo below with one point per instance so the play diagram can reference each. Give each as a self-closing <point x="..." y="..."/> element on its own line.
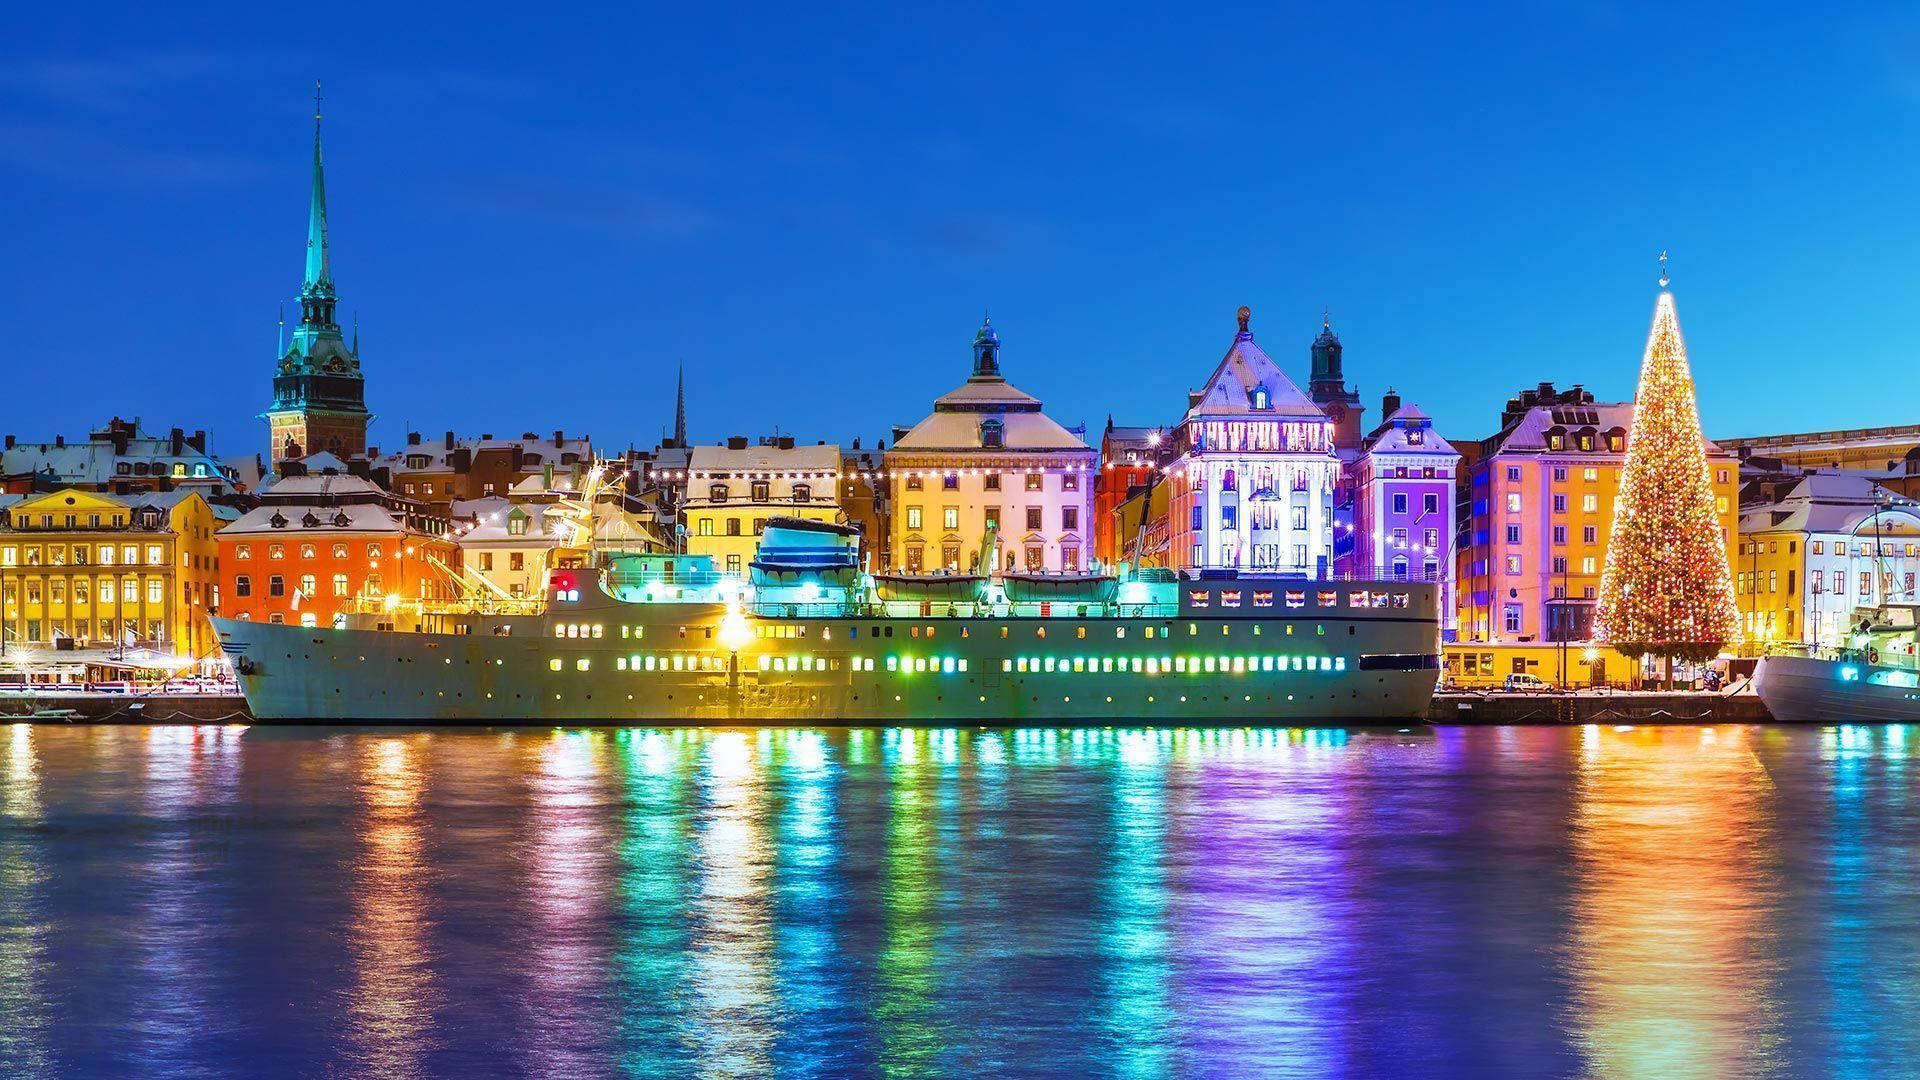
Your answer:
<point x="43" y="716"/>
<point x="1026" y="587"/>
<point x="1874" y="679"/>
<point x="795" y="551"/>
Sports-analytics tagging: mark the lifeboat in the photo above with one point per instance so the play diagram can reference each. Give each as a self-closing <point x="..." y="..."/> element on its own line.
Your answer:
<point x="1060" y="588"/>
<point x="930" y="588"/>
<point x="794" y="551"/>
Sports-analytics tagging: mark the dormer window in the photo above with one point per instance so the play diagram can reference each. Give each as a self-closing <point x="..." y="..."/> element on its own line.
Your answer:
<point x="717" y="493"/>
<point x="802" y="493"/>
<point x="1415" y="437"/>
<point x="1261" y="399"/>
<point x="761" y="490"/>
<point x="517" y="524"/>
<point x="992" y="434"/>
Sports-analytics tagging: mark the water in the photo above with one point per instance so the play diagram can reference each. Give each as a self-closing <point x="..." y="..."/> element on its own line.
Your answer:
<point x="1664" y="902"/>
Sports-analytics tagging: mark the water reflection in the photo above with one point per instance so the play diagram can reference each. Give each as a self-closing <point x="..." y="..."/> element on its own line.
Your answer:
<point x="392" y="996"/>
<point x="1147" y="902"/>
<point x="1676" y="911"/>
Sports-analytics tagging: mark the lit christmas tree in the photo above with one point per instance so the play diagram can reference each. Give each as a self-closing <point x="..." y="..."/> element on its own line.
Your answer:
<point x="1667" y="589"/>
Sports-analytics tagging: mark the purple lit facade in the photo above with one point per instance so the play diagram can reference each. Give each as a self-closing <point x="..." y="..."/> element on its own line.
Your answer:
<point x="1402" y="483"/>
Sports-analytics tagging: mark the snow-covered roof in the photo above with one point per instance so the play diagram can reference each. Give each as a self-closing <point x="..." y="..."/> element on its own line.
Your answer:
<point x="1393" y="436"/>
<point x="760" y="458"/>
<point x="332" y="484"/>
<point x="96" y="461"/>
<point x="323" y="462"/>
<point x="1827" y="502"/>
<point x="359" y="517"/>
<point x="438" y="453"/>
<point x="1243" y="370"/>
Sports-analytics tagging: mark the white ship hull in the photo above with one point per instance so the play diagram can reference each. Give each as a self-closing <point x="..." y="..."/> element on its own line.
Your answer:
<point x="1808" y="690"/>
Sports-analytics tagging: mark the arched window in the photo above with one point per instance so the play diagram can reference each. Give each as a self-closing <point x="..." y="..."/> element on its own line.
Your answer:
<point x="992" y="434"/>
<point x="1261" y="399"/>
<point x="1227" y="481"/>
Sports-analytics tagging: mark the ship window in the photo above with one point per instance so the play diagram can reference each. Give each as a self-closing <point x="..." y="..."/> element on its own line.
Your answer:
<point x="1229" y="598"/>
<point x="553" y="664"/>
<point x="599" y="630"/>
<point x="1023" y="663"/>
<point x="1192" y="629"/>
<point x="1006" y="665"/>
<point x="620" y="663"/>
<point x="1003" y="632"/>
<point x="1197" y="598"/>
<point x="893" y="663"/>
<point x="1263" y="598"/>
<point x="1119" y="631"/>
<point x="1040" y="631"/>
<point x="1080" y="632"/>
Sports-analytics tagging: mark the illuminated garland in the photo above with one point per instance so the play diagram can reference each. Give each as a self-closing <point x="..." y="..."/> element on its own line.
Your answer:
<point x="1667" y="589"/>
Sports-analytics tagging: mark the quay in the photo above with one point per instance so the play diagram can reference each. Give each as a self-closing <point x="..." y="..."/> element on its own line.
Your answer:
<point x="1449" y="707"/>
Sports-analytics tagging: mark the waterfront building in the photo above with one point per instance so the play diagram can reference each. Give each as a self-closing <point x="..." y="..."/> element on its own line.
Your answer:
<point x="1255" y="469"/>
<point x="1129" y="457"/>
<point x="863" y="500"/>
<point x="512" y="540"/>
<point x="81" y="569"/>
<point x="1142" y="525"/>
<point x="460" y="469"/>
<point x="1403" y="501"/>
<point x="733" y="490"/>
<point x="1538" y="512"/>
<point x="1815" y="546"/>
<point x="119" y="458"/>
<point x="1893" y="449"/>
<point x="989" y="458"/>
<point x="319" y="392"/>
<point x="320" y="544"/>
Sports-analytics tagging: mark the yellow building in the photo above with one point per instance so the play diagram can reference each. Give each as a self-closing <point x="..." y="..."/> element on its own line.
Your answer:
<point x="136" y="573"/>
<point x="1814" y="548"/>
<point x="733" y="490"/>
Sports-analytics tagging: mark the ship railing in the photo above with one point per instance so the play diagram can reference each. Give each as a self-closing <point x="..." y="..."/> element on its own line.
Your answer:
<point x="1892" y="657"/>
<point x="941" y="609"/>
<point x="1369" y="575"/>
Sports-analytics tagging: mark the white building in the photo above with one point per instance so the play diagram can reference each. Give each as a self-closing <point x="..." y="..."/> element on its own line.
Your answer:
<point x="733" y="490"/>
<point x="1253" y="483"/>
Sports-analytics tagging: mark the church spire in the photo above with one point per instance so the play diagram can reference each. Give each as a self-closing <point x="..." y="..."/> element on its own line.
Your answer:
<point x="317" y="297"/>
<point x="680" y="409"/>
<point x="986" y="350"/>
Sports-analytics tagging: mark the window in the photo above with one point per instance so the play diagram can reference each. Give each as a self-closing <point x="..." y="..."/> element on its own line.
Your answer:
<point x="993" y="482"/>
<point x="1589" y="503"/>
<point x="1590" y="475"/>
<point x="1430" y="503"/>
<point x="1070" y="481"/>
<point x="240" y="551"/>
<point x="1512" y="621"/>
<point x="1036" y="557"/>
<point x="1559" y="564"/>
<point x="913" y="517"/>
<point x="1559" y="504"/>
<point x="760" y="490"/>
<point x="373" y="551"/>
<point x="1069" y="518"/>
<point x="992" y="435"/>
<point x="276" y="551"/>
<point x="1589" y="534"/>
<point x="1070" y="558"/>
<point x="1559" y="534"/>
<point x="1513" y="502"/>
<point x="993" y="518"/>
<point x="1513" y="564"/>
<point x="516" y="560"/>
<point x="1720" y="504"/>
<point x="1586" y="565"/>
<point x="308" y="587"/>
<point x="803" y="493"/>
<point x="1261" y="400"/>
<point x="950" y="518"/>
<point x="913" y="482"/>
<point x="308" y="551"/>
<point x="154" y="596"/>
<point x="1513" y="474"/>
<point x="1513" y="534"/>
<point x="1033" y="519"/>
<point x="1035" y="481"/>
<point x="276" y="586"/>
<point x="1559" y="475"/>
<point x="1400" y="502"/>
<point x="1817" y="547"/>
<point x="374" y="585"/>
<point x="733" y="526"/>
<point x="733" y="564"/>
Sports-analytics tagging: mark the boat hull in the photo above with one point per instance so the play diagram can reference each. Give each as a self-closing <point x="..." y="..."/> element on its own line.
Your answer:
<point x="304" y="674"/>
<point x="1807" y="690"/>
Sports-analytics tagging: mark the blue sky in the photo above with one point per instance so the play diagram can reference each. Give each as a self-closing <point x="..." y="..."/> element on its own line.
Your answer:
<point x="537" y="218"/>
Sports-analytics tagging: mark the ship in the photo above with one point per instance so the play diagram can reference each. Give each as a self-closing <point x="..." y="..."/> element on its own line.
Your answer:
<point x="635" y="638"/>
<point x="1873" y="678"/>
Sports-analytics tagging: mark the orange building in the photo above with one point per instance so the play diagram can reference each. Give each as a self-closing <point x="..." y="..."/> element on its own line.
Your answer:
<point x="318" y="542"/>
<point x="1128" y="456"/>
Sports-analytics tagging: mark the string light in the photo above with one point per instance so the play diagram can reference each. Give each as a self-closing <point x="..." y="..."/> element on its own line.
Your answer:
<point x="1667" y="588"/>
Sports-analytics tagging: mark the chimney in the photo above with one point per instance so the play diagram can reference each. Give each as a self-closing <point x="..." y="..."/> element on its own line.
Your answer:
<point x="413" y="438"/>
<point x="559" y="437"/>
<point x="449" y="440"/>
<point x="59" y="440"/>
<point x="9" y="442"/>
<point x="736" y="442"/>
<point x="856" y="441"/>
<point x="178" y="439"/>
<point x="199" y="440"/>
<point x="786" y="442"/>
<point x="1389" y="404"/>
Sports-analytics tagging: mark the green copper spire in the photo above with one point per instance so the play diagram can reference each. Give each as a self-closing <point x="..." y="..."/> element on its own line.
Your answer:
<point x="317" y="297"/>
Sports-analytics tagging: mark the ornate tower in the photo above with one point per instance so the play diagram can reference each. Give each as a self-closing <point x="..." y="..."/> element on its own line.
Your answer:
<point x="1328" y="389"/>
<point x="319" y="393"/>
<point x="986" y="351"/>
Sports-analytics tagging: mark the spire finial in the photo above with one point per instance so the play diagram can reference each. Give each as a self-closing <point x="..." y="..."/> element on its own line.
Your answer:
<point x="680" y="408"/>
<point x="1664" y="276"/>
<point x="282" y="337"/>
<point x="356" y="333"/>
<point x="1326" y="318"/>
<point x="316" y="101"/>
<point x="1245" y="315"/>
